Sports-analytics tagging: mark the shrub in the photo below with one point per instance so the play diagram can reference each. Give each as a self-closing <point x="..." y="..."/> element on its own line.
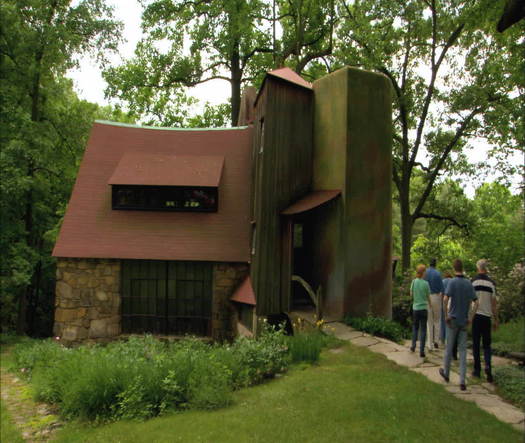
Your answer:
<point x="511" y="290"/>
<point x="379" y="326"/>
<point x="402" y="301"/>
<point x="509" y="337"/>
<point x="510" y="381"/>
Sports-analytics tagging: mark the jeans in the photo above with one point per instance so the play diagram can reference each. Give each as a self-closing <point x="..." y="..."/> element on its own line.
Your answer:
<point x="456" y="333"/>
<point x="419" y="324"/>
<point x="481" y="326"/>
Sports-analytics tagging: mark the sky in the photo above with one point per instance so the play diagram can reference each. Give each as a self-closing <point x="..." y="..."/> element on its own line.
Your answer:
<point x="90" y="84"/>
<point x="88" y="78"/>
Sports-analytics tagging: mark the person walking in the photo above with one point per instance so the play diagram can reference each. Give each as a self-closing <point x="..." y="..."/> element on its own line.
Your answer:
<point x="420" y="292"/>
<point x="433" y="277"/>
<point x="482" y="323"/>
<point x="461" y="294"/>
<point x="443" y="327"/>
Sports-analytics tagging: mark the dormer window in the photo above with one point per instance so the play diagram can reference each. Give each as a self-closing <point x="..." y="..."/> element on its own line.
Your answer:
<point x="165" y="198"/>
<point x="166" y="183"/>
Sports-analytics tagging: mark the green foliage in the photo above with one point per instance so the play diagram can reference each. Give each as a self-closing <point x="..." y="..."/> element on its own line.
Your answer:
<point x="379" y="326"/>
<point x="510" y="288"/>
<point x="144" y="377"/>
<point x="510" y="381"/>
<point x="509" y="337"/>
<point x="306" y="346"/>
<point x="354" y="395"/>
<point x="44" y="129"/>
<point x="402" y="300"/>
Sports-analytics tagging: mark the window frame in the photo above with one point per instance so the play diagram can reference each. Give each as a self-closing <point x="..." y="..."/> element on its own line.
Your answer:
<point x="163" y="189"/>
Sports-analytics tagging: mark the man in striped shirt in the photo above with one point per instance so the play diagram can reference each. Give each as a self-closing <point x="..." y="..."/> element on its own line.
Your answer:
<point x="481" y="325"/>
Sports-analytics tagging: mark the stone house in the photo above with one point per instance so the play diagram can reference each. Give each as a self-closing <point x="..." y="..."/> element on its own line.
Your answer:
<point x="177" y="231"/>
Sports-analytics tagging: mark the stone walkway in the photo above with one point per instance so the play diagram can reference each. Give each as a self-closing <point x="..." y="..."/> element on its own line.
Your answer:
<point x="480" y="393"/>
<point x="37" y="422"/>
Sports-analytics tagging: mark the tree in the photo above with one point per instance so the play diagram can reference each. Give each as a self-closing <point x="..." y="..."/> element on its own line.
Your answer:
<point x="453" y="79"/>
<point x="497" y="234"/>
<point x="44" y="127"/>
<point x="188" y="43"/>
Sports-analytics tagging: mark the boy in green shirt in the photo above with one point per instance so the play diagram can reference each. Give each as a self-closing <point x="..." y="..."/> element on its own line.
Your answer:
<point x="420" y="292"/>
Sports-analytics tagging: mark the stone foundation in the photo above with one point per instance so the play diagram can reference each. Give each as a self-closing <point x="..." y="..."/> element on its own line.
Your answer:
<point x="87" y="303"/>
<point x="226" y="278"/>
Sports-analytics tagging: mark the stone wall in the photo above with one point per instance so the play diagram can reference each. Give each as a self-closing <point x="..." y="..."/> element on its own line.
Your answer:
<point x="87" y="303"/>
<point x="226" y="278"/>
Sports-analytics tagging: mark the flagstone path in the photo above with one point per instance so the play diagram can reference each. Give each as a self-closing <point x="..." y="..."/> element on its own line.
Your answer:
<point x="36" y="421"/>
<point x="483" y="394"/>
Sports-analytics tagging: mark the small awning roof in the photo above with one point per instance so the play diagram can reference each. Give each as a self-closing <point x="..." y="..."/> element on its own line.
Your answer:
<point x="244" y="293"/>
<point x="168" y="170"/>
<point x="311" y="201"/>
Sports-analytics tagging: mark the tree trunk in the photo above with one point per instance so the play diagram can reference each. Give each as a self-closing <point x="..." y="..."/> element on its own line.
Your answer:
<point x="236" y="75"/>
<point x="407" y="223"/>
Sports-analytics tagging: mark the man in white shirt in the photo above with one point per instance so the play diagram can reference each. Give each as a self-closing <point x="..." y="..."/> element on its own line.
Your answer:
<point x="482" y="323"/>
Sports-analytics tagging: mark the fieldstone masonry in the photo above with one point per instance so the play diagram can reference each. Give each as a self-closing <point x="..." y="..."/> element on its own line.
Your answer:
<point x="87" y="303"/>
<point x="226" y="278"/>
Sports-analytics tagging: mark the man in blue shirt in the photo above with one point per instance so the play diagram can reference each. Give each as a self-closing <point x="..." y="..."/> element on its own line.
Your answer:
<point x="433" y="277"/>
<point x="461" y="294"/>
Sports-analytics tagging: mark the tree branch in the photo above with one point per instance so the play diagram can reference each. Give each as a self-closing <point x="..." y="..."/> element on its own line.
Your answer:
<point x="430" y="89"/>
<point x="432" y="177"/>
<point x="452" y="220"/>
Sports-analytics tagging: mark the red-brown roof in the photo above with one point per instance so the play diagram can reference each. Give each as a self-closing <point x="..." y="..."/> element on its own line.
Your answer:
<point x="310" y="201"/>
<point x="168" y="170"/>
<point x="92" y="229"/>
<point x="244" y="293"/>
<point x="290" y="76"/>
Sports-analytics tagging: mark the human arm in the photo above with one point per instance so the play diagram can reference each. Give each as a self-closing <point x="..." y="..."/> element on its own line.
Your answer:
<point x="472" y="311"/>
<point x="445" y="308"/>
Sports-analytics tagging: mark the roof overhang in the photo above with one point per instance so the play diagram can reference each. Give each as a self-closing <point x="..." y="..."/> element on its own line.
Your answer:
<point x="311" y="201"/>
<point x="168" y="170"/>
<point x="244" y="293"/>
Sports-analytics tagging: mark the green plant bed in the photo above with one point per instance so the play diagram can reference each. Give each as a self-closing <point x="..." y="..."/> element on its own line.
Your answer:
<point x="510" y="381"/>
<point x="143" y="377"/>
<point x="509" y="337"/>
<point x="379" y="326"/>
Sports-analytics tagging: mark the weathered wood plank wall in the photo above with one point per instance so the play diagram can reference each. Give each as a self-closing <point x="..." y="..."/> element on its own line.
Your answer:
<point x="282" y="153"/>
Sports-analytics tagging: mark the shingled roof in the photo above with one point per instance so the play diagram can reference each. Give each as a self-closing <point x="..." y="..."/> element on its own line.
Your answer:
<point x="92" y="229"/>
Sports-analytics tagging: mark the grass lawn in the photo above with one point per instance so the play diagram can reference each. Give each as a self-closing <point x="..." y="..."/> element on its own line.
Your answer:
<point x="350" y="396"/>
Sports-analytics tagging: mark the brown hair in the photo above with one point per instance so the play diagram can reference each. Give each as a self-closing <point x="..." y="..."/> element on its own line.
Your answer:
<point x="447" y="274"/>
<point x="420" y="270"/>
<point x="457" y="264"/>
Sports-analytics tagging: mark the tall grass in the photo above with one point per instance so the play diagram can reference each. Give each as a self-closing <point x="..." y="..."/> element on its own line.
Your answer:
<point x="509" y="337"/>
<point x="144" y="377"/>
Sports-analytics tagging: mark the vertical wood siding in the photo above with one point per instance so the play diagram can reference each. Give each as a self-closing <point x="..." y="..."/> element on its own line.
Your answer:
<point x="282" y="174"/>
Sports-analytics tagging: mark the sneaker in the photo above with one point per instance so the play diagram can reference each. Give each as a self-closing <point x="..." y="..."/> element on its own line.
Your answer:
<point x="436" y="346"/>
<point x="442" y="373"/>
<point x="422" y="354"/>
<point x="463" y="387"/>
<point x="412" y="349"/>
<point x="476" y="374"/>
<point x="490" y="379"/>
<point x="455" y="357"/>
